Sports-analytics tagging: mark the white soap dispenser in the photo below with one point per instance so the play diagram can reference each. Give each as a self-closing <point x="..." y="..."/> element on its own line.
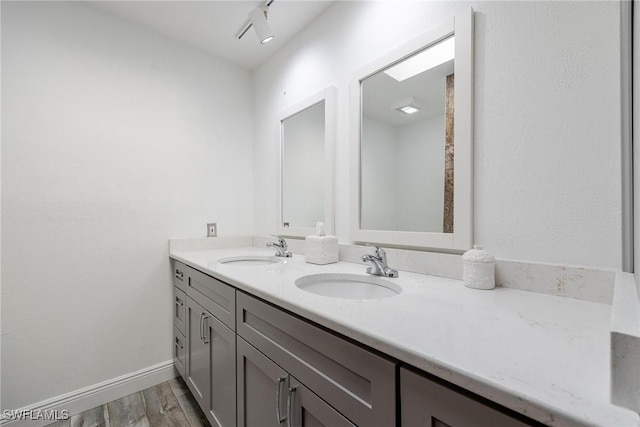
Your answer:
<point x="478" y="268"/>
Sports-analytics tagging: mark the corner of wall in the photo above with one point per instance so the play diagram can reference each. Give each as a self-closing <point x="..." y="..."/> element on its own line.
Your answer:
<point x="635" y="54"/>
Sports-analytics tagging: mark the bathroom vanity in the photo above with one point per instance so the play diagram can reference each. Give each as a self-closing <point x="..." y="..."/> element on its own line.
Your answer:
<point x="255" y="349"/>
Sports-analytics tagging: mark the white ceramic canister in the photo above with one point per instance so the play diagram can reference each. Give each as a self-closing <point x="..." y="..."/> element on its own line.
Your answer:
<point x="478" y="269"/>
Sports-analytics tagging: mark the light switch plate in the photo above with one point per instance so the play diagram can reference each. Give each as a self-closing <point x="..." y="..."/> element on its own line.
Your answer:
<point x="212" y="230"/>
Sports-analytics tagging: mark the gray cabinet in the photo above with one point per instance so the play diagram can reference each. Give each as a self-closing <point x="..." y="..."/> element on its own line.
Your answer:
<point x="306" y="409"/>
<point x="357" y="383"/>
<point x="221" y="409"/>
<point x="180" y="309"/>
<point x="425" y="402"/>
<point x="197" y="367"/>
<point x="211" y="350"/>
<point x="268" y="396"/>
<point x="179" y="351"/>
<point x="262" y="388"/>
<point x="179" y="275"/>
<point x="215" y="296"/>
<point x="179" y="317"/>
<point x="210" y="366"/>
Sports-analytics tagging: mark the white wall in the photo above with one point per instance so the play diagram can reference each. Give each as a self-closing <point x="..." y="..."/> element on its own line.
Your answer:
<point x="303" y="168"/>
<point x="420" y="186"/>
<point x="114" y="140"/>
<point x="547" y="117"/>
<point x="380" y="177"/>
<point x="402" y="174"/>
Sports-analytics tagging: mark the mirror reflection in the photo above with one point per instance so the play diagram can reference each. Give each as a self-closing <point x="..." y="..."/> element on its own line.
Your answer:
<point x="303" y="142"/>
<point x="407" y="143"/>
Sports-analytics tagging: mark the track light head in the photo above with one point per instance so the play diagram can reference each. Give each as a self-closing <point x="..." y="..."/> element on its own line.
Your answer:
<point x="258" y="19"/>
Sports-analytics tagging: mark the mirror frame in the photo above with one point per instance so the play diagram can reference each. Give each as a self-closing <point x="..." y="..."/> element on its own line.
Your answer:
<point x="327" y="95"/>
<point x="460" y="25"/>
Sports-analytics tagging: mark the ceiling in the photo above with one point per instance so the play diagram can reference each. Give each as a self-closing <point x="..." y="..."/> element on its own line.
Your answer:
<point x="212" y="26"/>
<point x="382" y="94"/>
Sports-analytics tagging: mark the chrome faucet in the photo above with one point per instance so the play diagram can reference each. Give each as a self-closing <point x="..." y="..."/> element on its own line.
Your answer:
<point x="379" y="265"/>
<point x="281" y="248"/>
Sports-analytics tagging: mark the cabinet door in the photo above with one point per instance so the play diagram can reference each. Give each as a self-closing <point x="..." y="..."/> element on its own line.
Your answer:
<point x="306" y="409"/>
<point x="179" y="351"/>
<point x="425" y="402"/>
<point x="179" y="275"/>
<point x="262" y="389"/>
<point x="217" y="297"/>
<point x="180" y="309"/>
<point x="197" y="366"/>
<point x="221" y="408"/>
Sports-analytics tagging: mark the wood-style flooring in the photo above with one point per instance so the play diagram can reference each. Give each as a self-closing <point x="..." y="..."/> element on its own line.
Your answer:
<point x="165" y="405"/>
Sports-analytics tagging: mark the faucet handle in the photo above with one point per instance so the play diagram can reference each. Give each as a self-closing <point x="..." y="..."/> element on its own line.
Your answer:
<point x="378" y="251"/>
<point x="280" y="238"/>
<point x="378" y="262"/>
<point x="281" y="247"/>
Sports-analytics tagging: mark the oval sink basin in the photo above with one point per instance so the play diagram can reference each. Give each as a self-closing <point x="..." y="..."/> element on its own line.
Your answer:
<point x="249" y="260"/>
<point x="349" y="286"/>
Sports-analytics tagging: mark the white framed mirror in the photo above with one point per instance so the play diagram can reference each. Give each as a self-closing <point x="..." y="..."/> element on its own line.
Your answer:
<point x="306" y="169"/>
<point x="411" y="141"/>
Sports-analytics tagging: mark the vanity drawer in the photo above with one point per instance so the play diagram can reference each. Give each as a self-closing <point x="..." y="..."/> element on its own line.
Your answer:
<point x="217" y="297"/>
<point x="356" y="382"/>
<point x="179" y="275"/>
<point x="428" y="402"/>
<point x="180" y="309"/>
<point x="179" y="351"/>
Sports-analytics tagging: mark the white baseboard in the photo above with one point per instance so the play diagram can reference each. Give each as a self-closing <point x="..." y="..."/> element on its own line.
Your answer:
<point x="90" y="397"/>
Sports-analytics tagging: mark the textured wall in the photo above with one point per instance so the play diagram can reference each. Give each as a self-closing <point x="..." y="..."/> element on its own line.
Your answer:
<point x="547" y="117"/>
<point x="113" y="141"/>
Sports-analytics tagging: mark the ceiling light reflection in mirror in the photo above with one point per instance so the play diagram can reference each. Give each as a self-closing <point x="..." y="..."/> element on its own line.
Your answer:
<point x="429" y="58"/>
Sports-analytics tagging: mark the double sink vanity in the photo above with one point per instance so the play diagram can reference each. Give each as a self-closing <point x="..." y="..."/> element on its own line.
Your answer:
<point x="263" y="340"/>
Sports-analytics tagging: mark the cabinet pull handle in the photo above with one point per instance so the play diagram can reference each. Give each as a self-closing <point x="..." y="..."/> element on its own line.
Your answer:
<point x="278" y="393"/>
<point x="179" y="301"/>
<point x="205" y="339"/>
<point x="292" y="391"/>
<point x="179" y="275"/>
<point x="202" y="327"/>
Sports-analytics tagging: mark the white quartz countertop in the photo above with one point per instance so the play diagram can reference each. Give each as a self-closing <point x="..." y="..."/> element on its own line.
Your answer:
<point x="543" y="356"/>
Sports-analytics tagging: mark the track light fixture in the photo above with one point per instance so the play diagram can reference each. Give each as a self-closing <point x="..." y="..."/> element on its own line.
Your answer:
<point x="258" y="20"/>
